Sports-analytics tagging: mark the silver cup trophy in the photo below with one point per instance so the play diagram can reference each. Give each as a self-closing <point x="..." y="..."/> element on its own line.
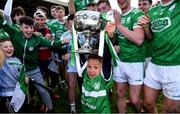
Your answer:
<point x="87" y="24"/>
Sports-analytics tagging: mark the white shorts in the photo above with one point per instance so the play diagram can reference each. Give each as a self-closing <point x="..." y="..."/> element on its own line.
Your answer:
<point x="132" y="73"/>
<point x="166" y="78"/>
<point x="146" y="62"/>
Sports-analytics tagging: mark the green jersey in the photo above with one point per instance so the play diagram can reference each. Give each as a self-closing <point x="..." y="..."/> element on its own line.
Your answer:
<point x="81" y="4"/>
<point x="16" y="26"/>
<point x="165" y="25"/>
<point x="130" y="52"/>
<point x="57" y="29"/>
<point x="147" y="47"/>
<point x="94" y="97"/>
<point x="26" y="49"/>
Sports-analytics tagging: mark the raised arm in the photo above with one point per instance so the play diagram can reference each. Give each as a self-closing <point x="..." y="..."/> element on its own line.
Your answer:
<point x="72" y="9"/>
<point x="8" y="28"/>
<point x="53" y="44"/>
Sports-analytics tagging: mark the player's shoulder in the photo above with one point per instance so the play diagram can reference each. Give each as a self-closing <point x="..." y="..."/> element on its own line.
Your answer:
<point x="154" y="7"/>
<point x="54" y="22"/>
<point x="136" y="11"/>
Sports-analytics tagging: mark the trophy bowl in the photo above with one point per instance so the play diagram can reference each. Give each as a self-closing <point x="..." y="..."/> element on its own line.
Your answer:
<point x="87" y="24"/>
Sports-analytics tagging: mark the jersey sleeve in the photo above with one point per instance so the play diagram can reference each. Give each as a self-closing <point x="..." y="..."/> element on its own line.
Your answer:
<point x="12" y="31"/>
<point x="48" y="43"/>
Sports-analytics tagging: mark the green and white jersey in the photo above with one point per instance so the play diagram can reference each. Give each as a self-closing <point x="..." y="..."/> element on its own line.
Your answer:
<point x="94" y="97"/>
<point x="57" y="29"/>
<point x="147" y="47"/>
<point x="165" y="25"/>
<point x="130" y="52"/>
<point x="81" y="4"/>
<point x="48" y="22"/>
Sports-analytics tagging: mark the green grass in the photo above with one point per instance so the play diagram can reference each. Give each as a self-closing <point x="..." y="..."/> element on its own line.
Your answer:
<point x="61" y="105"/>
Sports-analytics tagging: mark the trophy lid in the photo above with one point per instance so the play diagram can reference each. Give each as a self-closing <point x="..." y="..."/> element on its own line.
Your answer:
<point x="87" y="20"/>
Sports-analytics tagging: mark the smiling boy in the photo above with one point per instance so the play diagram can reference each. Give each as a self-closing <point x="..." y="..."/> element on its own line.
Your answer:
<point x="94" y="98"/>
<point x="26" y="45"/>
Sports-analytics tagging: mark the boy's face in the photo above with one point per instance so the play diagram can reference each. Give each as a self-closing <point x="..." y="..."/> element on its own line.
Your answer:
<point x="144" y="5"/>
<point x="103" y="8"/>
<point x="27" y="30"/>
<point x="39" y="20"/>
<point x="94" y="67"/>
<point x="53" y="13"/>
<point x="16" y="18"/>
<point x="60" y="13"/>
<point x="7" y="47"/>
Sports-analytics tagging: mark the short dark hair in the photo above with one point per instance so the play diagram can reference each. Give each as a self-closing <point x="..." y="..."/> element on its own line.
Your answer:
<point x="53" y="6"/>
<point x="91" y="4"/>
<point x="103" y="1"/>
<point x="150" y="1"/>
<point x="96" y="57"/>
<point x="18" y="11"/>
<point x="70" y="17"/>
<point x="26" y="20"/>
<point x="43" y="9"/>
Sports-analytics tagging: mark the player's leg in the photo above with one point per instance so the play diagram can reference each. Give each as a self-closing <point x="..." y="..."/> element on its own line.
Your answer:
<point x="121" y="83"/>
<point x="150" y="96"/>
<point x="72" y="77"/>
<point x="121" y="96"/>
<point x="152" y="87"/>
<point x="171" y="89"/>
<point x="135" y="92"/>
<point x="135" y="74"/>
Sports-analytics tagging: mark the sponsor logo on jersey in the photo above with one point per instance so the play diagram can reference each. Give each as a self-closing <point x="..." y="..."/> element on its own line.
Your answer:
<point x="160" y="24"/>
<point x="31" y="48"/>
<point x="59" y="33"/>
<point x="96" y="86"/>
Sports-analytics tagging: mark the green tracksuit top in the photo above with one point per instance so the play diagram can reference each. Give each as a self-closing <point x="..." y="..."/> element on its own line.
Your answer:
<point x="94" y="97"/>
<point x="26" y="49"/>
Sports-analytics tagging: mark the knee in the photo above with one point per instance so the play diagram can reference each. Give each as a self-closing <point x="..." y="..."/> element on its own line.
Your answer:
<point x="121" y="93"/>
<point x="149" y="105"/>
<point x="135" y="101"/>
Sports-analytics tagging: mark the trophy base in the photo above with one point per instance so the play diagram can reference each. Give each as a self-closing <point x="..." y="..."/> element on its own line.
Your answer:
<point x="87" y="51"/>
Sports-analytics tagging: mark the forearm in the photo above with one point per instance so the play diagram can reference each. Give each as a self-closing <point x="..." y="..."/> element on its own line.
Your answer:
<point x="135" y="36"/>
<point x="148" y="33"/>
<point x="71" y="6"/>
<point x="9" y="29"/>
